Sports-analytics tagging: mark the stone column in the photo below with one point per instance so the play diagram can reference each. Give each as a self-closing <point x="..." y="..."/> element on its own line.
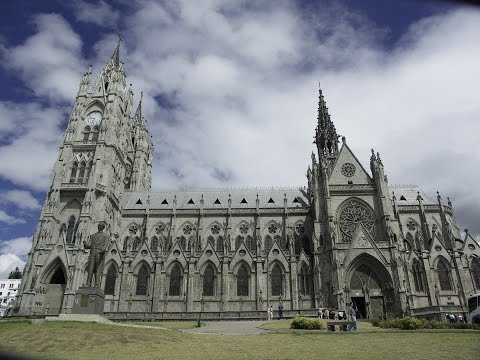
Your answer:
<point x="294" y="282"/>
<point x="190" y="291"/>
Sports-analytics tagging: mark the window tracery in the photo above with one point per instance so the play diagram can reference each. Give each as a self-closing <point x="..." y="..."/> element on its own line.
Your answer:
<point x="443" y="270"/>
<point x="243" y="228"/>
<point x="215" y="229"/>
<point x="110" y="280"/>
<point x="142" y="281"/>
<point x="272" y="228"/>
<point x="277" y="280"/>
<point x="242" y="281"/>
<point x="353" y="214"/>
<point x="176" y="279"/>
<point x="208" y="280"/>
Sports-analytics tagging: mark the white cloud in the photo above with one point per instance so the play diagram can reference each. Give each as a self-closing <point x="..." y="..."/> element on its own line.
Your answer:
<point x="28" y="155"/>
<point x="8" y="263"/>
<point x="243" y="82"/>
<point x="18" y="246"/>
<point x="21" y="198"/>
<point x="49" y="61"/>
<point x="101" y="13"/>
<point x="9" y="220"/>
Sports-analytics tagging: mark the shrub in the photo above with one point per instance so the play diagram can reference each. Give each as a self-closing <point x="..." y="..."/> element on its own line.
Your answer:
<point x="411" y="323"/>
<point x="375" y="322"/>
<point x="305" y="323"/>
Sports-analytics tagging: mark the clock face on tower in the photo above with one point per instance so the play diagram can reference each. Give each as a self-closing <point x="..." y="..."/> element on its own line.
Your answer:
<point x="94" y="118"/>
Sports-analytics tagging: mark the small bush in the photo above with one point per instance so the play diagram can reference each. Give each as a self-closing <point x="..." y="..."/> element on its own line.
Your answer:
<point x="306" y="324"/>
<point x="411" y="323"/>
<point x="375" y="322"/>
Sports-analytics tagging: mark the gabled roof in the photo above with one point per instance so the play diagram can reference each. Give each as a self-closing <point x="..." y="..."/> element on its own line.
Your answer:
<point x="164" y="199"/>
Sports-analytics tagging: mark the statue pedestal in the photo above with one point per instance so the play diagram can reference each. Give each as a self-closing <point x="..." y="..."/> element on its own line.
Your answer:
<point x="88" y="300"/>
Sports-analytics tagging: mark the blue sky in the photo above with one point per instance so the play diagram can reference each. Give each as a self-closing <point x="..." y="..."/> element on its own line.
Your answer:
<point x="230" y="92"/>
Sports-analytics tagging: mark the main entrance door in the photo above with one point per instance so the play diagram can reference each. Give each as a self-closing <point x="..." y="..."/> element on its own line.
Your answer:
<point x="366" y="292"/>
<point x="55" y="291"/>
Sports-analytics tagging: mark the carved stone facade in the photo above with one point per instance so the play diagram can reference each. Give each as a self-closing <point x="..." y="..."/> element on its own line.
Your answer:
<point x="226" y="253"/>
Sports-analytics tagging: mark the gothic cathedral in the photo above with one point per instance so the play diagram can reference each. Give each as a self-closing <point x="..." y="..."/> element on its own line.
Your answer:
<point x="230" y="253"/>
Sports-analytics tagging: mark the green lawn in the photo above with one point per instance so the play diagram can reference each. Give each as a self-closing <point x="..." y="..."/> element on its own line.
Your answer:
<point x="62" y="340"/>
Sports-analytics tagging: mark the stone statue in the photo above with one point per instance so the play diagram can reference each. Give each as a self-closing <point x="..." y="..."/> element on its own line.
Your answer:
<point x="98" y="247"/>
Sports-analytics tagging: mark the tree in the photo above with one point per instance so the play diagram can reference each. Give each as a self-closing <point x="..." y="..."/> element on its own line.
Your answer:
<point x="15" y="274"/>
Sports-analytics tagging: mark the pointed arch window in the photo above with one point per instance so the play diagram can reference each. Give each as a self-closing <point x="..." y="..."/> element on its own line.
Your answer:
<point x="238" y="242"/>
<point x="268" y="243"/>
<point x="95" y="133"/>
<point x="277" y="280"/>
<point x="242" y="281"/>
<point x="70" y="236"/>
<point x="183" y="243"/>
<point x="125" y="244"/>
<point x="208" y="280"/>
<point x="418" y="276"/>
<point x="86" y="133"/>
<point x="88" y="169"/>
<point x="304" y="287"/>
<point x="154" y="244"/>
<point x="81" y="172"/>
<point x="251" y="244"/>
<point x="444" y="277"/>
<point x="136" y="244"/>
<point x="142" y="280"/>
<point x="211" y="241"/>
<point x="219" y="244"/>
<point x="110" y="280"/>
<point x="176" y="279"/>
<point x="476" y="271"/>
<point x="73" y="174"/>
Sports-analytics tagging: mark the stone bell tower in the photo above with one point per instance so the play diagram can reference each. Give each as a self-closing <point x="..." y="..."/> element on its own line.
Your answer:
<point x="101" y="148"/>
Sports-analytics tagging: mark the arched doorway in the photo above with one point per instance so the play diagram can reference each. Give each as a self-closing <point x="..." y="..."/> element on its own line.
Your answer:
<point x="55" y="291"/>
<point x="370" y="288"/>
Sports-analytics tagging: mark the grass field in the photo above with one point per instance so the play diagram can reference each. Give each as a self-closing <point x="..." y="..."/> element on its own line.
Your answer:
<point x="73" y="340"/>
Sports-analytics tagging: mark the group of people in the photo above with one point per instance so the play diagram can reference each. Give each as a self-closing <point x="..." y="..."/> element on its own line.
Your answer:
<point x="452" y="318"/>
<point x="350" y="314"/>
<point x="270" y="312"/>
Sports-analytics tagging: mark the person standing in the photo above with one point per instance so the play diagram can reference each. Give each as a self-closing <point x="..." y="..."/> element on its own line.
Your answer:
<point x="280" y="311"/>
<point x="270" y="313"/>
<point x="353" y="314"/>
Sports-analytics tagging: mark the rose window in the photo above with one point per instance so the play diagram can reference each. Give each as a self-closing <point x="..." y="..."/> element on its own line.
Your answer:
<point x="411" y="225"/>
<point x="354" y="214"/>
<point x="299" y="228"/>
<point x="215" y="229"/>
<point x="133" y="229"/>
<point x="160" y="228"/>
<point x="348" y="169"/>
<point x="243" y="228"/>
<point x="272" y="228"/>
<point x="187" y="229"/>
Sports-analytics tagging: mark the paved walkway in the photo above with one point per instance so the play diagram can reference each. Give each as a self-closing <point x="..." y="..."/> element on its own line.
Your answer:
<point x="229" y="328"/>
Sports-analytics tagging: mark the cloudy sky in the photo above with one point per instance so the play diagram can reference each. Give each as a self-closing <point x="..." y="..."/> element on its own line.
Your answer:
<point x="230" y="92"/>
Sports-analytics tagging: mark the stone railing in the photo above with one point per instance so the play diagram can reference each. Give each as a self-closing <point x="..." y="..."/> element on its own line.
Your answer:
<point x="218" y="315"/>
<point x="74" y="186"/>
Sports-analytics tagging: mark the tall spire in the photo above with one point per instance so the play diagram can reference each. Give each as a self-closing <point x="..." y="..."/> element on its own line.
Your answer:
<point x="326" y="136"/>
<point x="116" y="53"/>
<point x="138" y="112"/>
